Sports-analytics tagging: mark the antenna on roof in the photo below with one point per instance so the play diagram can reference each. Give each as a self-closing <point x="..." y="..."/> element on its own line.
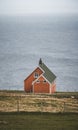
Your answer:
<point x="40" y="61"/>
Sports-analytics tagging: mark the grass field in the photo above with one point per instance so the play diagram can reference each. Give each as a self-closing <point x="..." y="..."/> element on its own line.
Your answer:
<point x="12" y="101"/>
<point x="38" y="121"/>
<point x="21" y="111"/>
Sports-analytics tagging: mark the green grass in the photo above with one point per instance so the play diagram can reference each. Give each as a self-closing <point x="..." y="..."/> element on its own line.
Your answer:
<point x="38" y="121"/>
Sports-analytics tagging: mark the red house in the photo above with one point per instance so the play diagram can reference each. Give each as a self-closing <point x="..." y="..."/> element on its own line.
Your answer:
<point x="41" y="80"/>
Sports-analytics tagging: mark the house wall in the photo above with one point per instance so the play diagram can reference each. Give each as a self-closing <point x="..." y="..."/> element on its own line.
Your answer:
<point x="40" y="86"/>
<point x="28" y="81"/>
<point x="53" y="87"/>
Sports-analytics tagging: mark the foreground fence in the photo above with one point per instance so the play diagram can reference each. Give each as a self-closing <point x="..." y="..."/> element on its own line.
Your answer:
<point x="39" y="103"/>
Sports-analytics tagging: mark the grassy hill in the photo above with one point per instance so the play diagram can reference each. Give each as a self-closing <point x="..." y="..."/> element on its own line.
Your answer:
<point x="12" y="101"/>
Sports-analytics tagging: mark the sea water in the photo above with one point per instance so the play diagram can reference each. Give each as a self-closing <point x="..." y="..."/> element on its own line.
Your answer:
<point x="26" y="39"/>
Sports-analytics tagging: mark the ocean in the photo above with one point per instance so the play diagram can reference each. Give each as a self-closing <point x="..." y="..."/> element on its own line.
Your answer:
<point x="26" y="39"/>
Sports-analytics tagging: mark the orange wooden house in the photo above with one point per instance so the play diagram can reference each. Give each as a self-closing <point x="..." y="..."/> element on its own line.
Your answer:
<point x="41" y="80"/>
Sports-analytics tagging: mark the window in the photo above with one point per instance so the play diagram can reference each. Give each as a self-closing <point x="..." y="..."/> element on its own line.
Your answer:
<point x="38" y="81"/>
<point x="36" y="75"/>
<point x="44" y="81"/>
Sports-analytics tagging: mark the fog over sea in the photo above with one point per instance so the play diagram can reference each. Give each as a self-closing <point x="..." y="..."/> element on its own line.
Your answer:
<point x="26" y="39"/>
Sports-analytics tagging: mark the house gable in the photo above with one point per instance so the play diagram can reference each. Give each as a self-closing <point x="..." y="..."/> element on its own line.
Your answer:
<point x="37" y="70"/>
<point x="28" y="81"/>
<point x="41" y="77"/>
<point x="41" y="85"/>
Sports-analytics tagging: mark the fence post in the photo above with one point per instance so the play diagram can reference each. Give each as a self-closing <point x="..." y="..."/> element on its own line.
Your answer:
<point x="64" y="107"/>
<point x="18" y="104"/>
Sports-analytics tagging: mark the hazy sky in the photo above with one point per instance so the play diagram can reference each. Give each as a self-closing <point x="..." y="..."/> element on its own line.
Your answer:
<point x="38" y="6"/>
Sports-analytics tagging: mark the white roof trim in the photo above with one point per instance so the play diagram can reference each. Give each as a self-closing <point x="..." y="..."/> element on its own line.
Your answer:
<point x="43" y="75"/>
<point x="33" y="71"/>
<point x="39" y="77"/>
<point x="41" y="69"/>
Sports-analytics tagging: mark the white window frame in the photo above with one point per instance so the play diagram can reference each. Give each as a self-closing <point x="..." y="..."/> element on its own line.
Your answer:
<point x="36" y="75"/>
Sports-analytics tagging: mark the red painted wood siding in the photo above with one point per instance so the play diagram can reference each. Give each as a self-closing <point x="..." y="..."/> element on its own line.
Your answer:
<point x="41" y="86"/>
<point x="28" y="81"/>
